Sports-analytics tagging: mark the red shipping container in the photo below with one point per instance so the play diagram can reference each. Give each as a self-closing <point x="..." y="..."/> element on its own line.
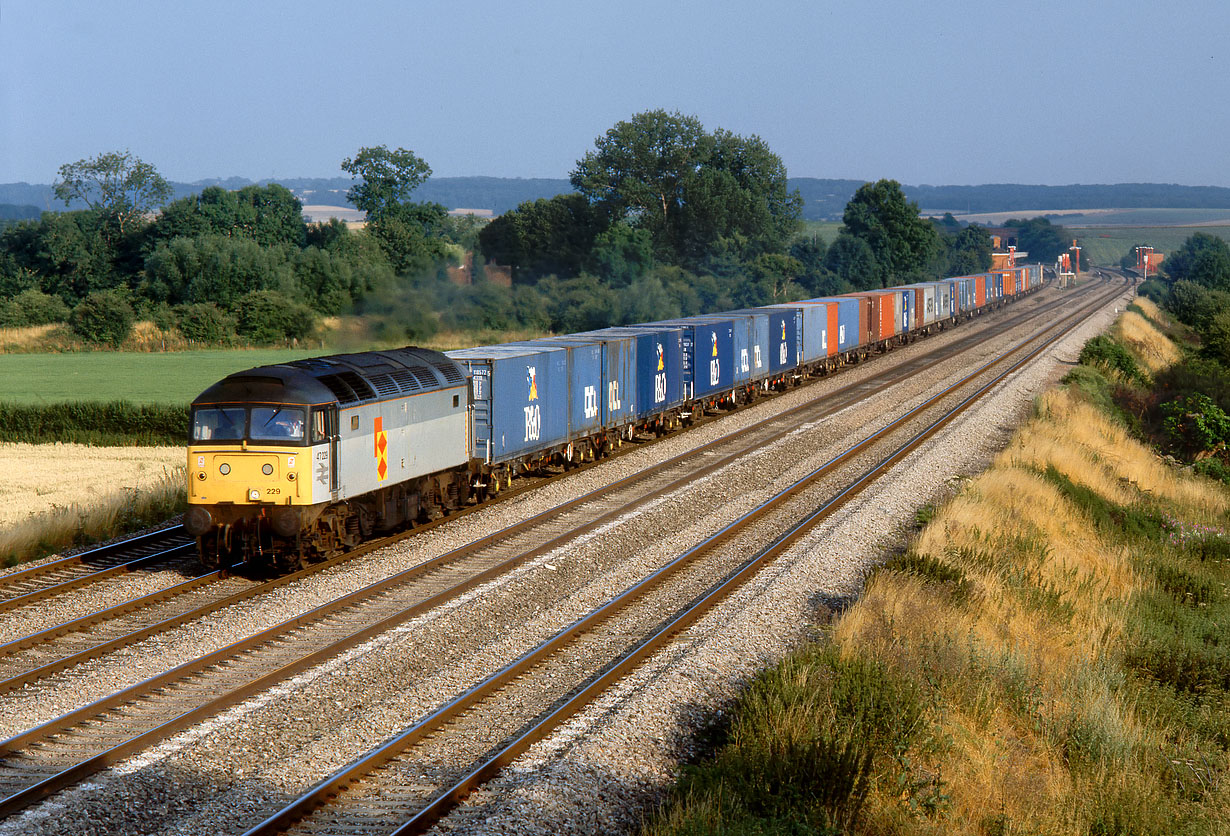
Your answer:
<point x="980" y="289"/>
<point x="834" y="329"/>
<point x="881" y="314"/>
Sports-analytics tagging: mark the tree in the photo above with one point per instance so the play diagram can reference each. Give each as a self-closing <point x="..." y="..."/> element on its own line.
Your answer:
<point x="851" y="260"/>
<point x="116" y="184"/>
<point x="266" y="316"/>
<point x="1044" y="241"/>
<point x="268" y="215"/>
<point x="32" y="307"/>
<point x="1203" y="259"/>
<point x="969" y="251"/>
<point x="68" y="251"/>
<point x="411" y="235"/>
<point x="621" y="254"/>
<point x="770" y="279"/>
<point x="1196" y="305"/>
<point x="204" y="322"/>
<point x="548" y="236"/>
<point x="901" y="241"/>
<point x="386" y="178"/>
<point x="105" y="317"/>
<point x="662" y="172"/>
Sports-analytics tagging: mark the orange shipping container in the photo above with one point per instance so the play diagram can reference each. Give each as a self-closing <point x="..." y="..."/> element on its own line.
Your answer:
<point x="833" y="329"/>
<point x="980" y="289"/>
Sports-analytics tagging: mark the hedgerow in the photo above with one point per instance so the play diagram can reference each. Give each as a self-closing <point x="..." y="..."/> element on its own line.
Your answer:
<point x="105" y="424"/>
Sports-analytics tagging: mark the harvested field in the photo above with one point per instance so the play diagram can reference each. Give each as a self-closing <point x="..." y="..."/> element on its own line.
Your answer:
<point x="39" y="478"/>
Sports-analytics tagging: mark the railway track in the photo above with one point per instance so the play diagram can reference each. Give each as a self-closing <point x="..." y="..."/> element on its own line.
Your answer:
<point x="28" y="658"/>
<point x="437" y="762"/>
<point x="45" y="580"/>
<point x="44" y="759"/>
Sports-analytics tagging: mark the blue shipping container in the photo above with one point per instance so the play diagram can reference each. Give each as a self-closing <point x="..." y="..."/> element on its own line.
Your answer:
<point x="585" y="382"/>
<point x="520" y="399"/>
<point x="658" y="371"/>
<point x="618" y="391"/>
<point x="708" y="354"/>
<point x="811" y="328"/>
<point x="751" y="343"/>
<point x="905" y="309"/>
<point x="777" y="340"/>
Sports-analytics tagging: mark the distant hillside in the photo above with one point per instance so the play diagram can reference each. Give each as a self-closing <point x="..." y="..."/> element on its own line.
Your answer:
<point x="823" y="199"/>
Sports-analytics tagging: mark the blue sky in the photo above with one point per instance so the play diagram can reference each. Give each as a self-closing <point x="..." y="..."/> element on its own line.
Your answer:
<point x="921" y="92"/>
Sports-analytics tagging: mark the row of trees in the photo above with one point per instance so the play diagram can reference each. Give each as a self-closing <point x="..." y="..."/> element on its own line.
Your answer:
<point x="243" y="261"/>
<point x="659" y="192"/>
<point x="667" y="219"/>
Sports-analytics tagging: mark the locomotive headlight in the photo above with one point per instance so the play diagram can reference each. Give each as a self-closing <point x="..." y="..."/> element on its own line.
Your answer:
<point x="254" y="495"/>
<point x="224" y="468"/>
<point x="267" y="469"/>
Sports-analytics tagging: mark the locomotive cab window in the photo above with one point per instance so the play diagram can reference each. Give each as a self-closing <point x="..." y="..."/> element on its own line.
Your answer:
<point x="277" y="423"/>
<point x="219" y="424"/>
<point x="320" y="426"/>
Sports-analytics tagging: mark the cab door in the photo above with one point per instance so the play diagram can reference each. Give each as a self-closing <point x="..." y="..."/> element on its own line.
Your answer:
<point x="324" y="453"/>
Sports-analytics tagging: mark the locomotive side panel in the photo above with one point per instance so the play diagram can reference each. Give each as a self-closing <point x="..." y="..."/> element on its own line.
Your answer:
<point x="387" y="442"/>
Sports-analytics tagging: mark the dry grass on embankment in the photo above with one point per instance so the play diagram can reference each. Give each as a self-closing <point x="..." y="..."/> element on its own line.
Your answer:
<point x="1050" y="656"/>
<point x="57" y="495"/>
<point x="1145" y="342"/>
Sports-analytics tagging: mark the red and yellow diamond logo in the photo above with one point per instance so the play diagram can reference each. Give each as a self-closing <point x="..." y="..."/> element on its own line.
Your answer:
<point x="382" y="450"/>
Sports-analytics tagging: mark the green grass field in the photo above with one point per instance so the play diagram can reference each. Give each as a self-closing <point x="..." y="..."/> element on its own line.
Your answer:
<point x="140" y="378"/>
<point x="1106" y="245"/>
<point x="827" y="230"/>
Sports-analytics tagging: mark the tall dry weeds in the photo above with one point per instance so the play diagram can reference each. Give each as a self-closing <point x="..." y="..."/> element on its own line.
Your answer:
<point x="106" y="516"/>
<point x="1044" y="736"/>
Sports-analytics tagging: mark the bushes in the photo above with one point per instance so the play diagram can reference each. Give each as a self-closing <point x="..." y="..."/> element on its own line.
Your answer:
<point x="103" y="317"/>
<point x="204" y="322"/>
<point x="32" y="307"/>
<point x="266" y="316"/>
<point x="114" y="423"/>
<point x="1104" y="353"/>
<point x="1195" y="424"/>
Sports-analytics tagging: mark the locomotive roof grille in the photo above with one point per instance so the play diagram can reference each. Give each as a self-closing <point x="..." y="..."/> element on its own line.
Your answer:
<point x="348" y="387"/>
<point x="450" y="372"/>
<point x="405" y="380"/>
<point x="424" y="376"/>
<point x="384" y="384"/>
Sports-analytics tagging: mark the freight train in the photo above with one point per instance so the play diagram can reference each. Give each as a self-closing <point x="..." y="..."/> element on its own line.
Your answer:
<point x="293" y="463"/>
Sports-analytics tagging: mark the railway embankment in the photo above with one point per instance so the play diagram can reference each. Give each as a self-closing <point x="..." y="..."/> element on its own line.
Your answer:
<point x="1048" y="655"/>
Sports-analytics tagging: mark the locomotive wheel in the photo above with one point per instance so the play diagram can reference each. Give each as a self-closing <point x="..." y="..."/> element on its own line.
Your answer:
<point x="207" y="549"/>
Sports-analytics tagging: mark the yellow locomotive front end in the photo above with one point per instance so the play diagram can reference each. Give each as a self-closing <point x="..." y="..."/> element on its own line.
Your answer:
<point x="259" y="467"/>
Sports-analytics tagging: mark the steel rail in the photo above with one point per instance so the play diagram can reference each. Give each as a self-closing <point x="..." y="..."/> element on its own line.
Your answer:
<point x="16" y="580"/>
